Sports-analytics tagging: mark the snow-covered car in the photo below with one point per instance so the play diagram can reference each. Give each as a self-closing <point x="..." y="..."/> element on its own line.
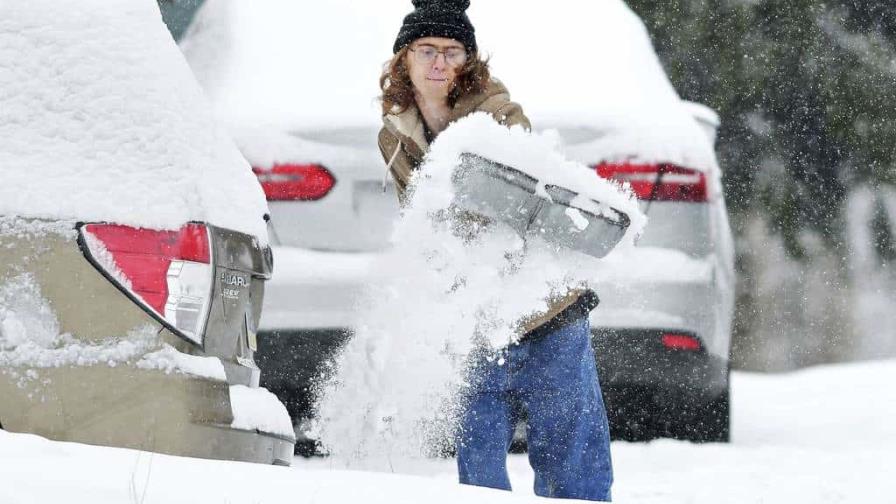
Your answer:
<point x="332" y="207"/>
<point x="307" y="121"/>
<point x="133" y="247"/>
<point x="662" y="332"/>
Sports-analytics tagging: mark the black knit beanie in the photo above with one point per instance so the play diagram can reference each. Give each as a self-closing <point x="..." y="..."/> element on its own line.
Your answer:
<point x="437" y="18"/>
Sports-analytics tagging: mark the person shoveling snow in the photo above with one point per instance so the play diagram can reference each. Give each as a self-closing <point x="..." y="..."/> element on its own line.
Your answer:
<point x="481" y="315"/>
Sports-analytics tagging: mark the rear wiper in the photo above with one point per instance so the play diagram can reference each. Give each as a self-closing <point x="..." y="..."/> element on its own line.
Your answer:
<point x="654" y="191"/>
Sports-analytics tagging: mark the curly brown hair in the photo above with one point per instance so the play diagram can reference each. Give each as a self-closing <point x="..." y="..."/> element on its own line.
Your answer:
<point x="398" y="90"/>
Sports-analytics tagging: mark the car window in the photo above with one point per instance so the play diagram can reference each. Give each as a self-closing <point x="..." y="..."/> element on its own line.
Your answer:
<point x="681" y="226"/>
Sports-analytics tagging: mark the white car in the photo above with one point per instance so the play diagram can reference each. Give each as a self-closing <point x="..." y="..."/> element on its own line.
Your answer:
<point x="307" y="120"/>
<point x="133" y="247"/>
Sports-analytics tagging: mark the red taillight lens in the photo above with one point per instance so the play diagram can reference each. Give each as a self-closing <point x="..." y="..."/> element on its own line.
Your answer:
<point x="291" y="182"/>
<point x="676" y="183"/>
<point x="168" y="272"/>
<point x="684" y="342"/>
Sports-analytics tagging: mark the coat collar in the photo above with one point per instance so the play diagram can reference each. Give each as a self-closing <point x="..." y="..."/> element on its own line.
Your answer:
<point x="408" y="125"/>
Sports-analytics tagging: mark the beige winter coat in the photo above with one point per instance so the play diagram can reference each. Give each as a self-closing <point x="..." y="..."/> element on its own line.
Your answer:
<point x="403" y="145"/>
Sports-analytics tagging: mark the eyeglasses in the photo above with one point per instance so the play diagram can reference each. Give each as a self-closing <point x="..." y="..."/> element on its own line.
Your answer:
<point x="454" y="56"/>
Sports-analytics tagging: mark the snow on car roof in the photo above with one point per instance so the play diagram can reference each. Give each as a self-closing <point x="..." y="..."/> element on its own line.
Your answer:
<point x="305" y="65"/>
<point x="102" y="120"/>
<point x="591" y="63"/>
<point x="294" y="63"/>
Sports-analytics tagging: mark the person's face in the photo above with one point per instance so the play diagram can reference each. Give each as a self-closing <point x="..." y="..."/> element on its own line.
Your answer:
<point x="433" y="64"/>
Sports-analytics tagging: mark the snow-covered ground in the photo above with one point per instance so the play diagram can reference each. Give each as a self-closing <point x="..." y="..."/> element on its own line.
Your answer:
<point x="819" y="436"/>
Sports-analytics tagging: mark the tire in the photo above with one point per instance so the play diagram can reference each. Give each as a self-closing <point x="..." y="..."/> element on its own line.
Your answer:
<point x="712" y="422"/>
<point x="308" y="448"/>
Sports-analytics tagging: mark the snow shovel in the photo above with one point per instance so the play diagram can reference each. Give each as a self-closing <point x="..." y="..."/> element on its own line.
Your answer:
<point x="508" y="195"/>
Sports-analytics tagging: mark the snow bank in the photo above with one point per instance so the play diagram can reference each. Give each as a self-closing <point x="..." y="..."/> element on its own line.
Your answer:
<point x="832" y="407"/>
<point x="577" y="63"/>
<point x="447" y="289"/>
<point x="37" y="470"/>
<point x="821" y="436"/>
<point x="102" y="120"/>
<point x="258" y="409"/>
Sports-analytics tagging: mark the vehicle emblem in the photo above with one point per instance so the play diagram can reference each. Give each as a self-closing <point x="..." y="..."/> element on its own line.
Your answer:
<point x="234" y="280"/>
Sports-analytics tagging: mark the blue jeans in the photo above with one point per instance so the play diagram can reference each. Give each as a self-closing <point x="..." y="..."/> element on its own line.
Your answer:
<point x="554" y="379"/>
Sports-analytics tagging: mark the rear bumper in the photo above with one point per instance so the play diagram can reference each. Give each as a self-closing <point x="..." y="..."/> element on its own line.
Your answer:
<point x="121" y="406"/>
<point x="293" y="361"/>
<point x="635" y="359"/>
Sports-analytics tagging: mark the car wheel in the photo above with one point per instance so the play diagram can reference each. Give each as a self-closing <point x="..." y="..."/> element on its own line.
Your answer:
<point x="308" y="448"/>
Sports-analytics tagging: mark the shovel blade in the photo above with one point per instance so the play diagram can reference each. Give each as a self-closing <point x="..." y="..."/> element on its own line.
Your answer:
<point x="508" y="195"/>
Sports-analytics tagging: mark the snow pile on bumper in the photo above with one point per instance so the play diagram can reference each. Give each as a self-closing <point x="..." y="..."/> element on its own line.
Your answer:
<point x="259" y="410"/>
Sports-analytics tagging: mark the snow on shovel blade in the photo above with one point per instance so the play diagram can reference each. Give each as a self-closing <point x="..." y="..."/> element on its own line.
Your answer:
<point x="508" y="195"/>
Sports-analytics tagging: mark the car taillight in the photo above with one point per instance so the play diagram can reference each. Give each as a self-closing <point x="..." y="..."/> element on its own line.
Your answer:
<point x="686" y="342"/>
<point x="169" y="273"/>
<point x="676" y="183"/>
<point x="291" y="182"/>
